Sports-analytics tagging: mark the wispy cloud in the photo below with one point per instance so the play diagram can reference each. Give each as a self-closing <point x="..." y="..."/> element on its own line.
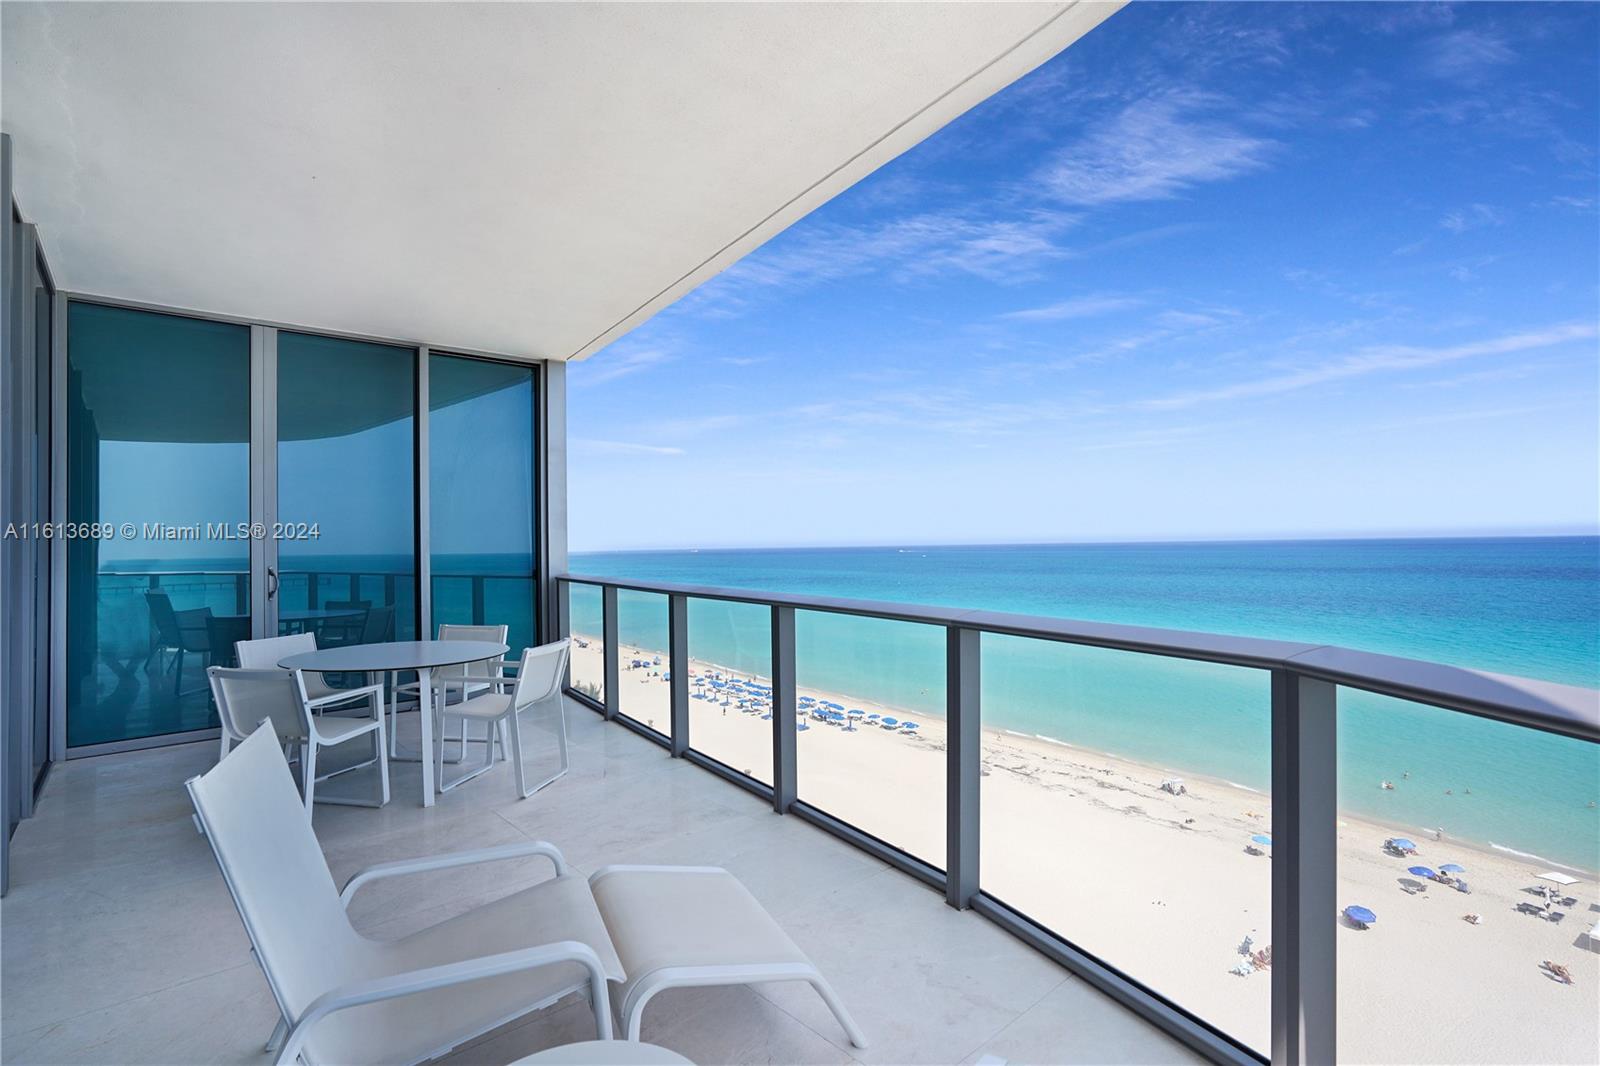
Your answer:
<point x="591" y="446"/>
<point x="1154" y="149"/>
<point x="611" y="364"/>
<point x="1465" y="55"/>
<point x="1077" y="307"/>
<point x="1473" y="216"/>
<point x="745" y="360"/>
<point x="1374" y="360"/>
<point x="937" y="242"/>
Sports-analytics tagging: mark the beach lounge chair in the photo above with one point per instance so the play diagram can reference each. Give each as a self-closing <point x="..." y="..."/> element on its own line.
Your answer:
<point x="346" y="998"/>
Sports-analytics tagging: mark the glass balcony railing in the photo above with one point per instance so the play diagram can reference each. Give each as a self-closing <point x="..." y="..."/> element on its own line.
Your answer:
<point x="1275" y="851"/>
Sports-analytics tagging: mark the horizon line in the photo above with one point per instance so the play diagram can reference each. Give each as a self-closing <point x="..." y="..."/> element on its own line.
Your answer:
<point x="1590" y="534"/>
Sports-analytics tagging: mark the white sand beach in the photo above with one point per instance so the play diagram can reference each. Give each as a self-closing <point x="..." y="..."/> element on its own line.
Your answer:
<point x="1161" y="885"/>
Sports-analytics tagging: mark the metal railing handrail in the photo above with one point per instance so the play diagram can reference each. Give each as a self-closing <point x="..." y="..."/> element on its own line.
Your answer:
<point x="1304" y="681"/>
<point x="1567" y="710"/>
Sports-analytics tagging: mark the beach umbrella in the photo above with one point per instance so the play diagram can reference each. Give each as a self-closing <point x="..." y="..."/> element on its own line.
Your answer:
<point x="1421" y="871"/>
<point x="870" y="717"/>
<point x="1403" y="844"/>
<point x="890" y="722"/>
<point x="1452" y="868"/>
<point x="1262" y="839"/>
<point x="857" y="712"/>
<point x="909" y="725"/>
<point x="1360" y="914"/>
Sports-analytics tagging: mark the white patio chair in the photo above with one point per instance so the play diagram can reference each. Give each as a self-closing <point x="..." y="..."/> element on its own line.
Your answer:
<point x="247" y="698"/>
<point x="448" y="680"/>
<point x="266" y="653"/>
<point x="538" y="682"/>
<point x="349" y="999"/>
<point x="345" y="998"/>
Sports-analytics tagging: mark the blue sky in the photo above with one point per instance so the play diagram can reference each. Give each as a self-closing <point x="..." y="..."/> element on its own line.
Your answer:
<point x="1215" y="271"/>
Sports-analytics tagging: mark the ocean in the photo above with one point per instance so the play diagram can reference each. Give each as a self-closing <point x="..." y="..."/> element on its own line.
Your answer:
<point x="1528" y="606"/>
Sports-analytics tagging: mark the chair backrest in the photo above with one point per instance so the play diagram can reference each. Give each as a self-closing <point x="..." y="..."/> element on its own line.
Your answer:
<point x="375" y="627"/>
<point x="258" y="830"/>
<point x="164" y="618"/>
<point x="541" y="673"/>
<point x="346" y="605"/>
<point x="265" y="654"/>
<point x="246" y="698"/>
<point x="226" y="632"/>
<point x="453" y="631"/>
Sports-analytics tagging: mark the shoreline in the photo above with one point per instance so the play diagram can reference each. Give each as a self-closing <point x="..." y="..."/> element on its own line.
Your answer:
<point x="1171" y="888"/>
<point x="1393" y="827"/>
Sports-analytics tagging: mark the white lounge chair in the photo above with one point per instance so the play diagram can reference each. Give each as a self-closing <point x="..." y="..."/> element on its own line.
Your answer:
<point x="247" y="698"/>
<point x="345" y="998"/>
<point x="540" y="675"/>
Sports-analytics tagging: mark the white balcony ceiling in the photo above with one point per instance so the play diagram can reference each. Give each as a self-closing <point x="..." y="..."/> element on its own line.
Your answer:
<point x="533" y="179"/>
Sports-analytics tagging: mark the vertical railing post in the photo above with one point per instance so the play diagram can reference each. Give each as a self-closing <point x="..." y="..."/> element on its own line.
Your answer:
<point x="784" y="719"/>
<point x="1304" y="869"/>
<point x="478" y="610"/>
<point x="610" y="675"/>
<point x="563" y="595"/>
<point x="963" y="764"/>
<point x="678" y="668"/>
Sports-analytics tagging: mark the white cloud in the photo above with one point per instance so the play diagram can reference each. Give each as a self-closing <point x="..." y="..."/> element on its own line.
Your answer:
<point x="610" y="364"/>
<point x="1473" y="216"/>
<point x="590" y="446"/>
<point x="1373" y="360"/>
<point x="1465" y="55"/>
<point x="1153" y="149"/>
<point x="1077" y="307"/>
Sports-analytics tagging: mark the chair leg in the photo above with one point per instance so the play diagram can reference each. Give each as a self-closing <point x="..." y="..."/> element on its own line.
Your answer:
<point x="279" y="1032"/>
<point x="561" y="746"/>
<point x="515" y="728"/>
<point x="308" y="771"/>
<point x="394" y="716"/>
<point x="227" y="744"/>
<point x="383" y="758"/>
<point x="831" y="998"/>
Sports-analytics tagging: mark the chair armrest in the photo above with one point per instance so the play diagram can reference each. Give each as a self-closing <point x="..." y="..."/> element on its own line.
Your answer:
<point x="449" y="859"/>
<point x="429" y="978"/>
<point x="346" y="694"/>
<point x="480" y="679"/>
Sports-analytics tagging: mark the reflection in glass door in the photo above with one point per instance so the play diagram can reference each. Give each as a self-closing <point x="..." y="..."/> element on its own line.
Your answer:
<point x="347" y="563"/>
<point x="158" y="443"/>
<point x="481" y="494"/>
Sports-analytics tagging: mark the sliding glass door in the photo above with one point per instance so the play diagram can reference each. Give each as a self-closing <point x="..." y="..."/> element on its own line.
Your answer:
<point x="481" y="494"/>
<point x="346" y="500"/>
<point x="158" y="469"/>
<point x="230" y="480"/>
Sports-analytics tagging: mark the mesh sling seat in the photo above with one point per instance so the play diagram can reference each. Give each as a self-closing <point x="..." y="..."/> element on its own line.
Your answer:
<point x="346" y="998"/>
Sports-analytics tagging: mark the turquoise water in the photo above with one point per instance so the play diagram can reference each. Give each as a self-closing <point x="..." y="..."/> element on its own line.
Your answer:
<point x="1528" y="606"/>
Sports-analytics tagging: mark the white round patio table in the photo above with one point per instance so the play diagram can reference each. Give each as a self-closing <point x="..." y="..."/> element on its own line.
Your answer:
<point x="423" y="656"/>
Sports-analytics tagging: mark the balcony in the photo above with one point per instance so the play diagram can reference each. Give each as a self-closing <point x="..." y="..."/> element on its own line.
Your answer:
<point x="123" y="946"/>
<point x="339" y="285"/>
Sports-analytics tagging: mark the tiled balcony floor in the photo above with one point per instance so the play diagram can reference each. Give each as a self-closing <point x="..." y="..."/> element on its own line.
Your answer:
<point x="120" y="943"/>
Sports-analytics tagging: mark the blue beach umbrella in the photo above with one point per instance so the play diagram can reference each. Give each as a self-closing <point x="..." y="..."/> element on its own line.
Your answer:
<point x="1262" y="839"/>
<point x="1420" y="871"/>
<point x="890" y="722"/>
<point x="1360" y="914"/>
<point x="1403" y="844"/>
<point x="909" y="725"/>
<point x="1452" y="868"/>
<point x="870" y="717"/>
<point x="857" y="712"/>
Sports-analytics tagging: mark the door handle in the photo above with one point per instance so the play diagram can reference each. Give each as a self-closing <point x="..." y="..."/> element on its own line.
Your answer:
<point x="272" y="583"/>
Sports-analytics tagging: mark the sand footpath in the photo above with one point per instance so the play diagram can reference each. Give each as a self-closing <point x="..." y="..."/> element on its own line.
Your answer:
<point x="1161" y="885"/>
